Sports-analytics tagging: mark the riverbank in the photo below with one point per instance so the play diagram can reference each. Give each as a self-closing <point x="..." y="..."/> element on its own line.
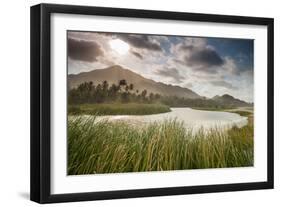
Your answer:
<point x="117" y="109"/>
<point x="243" y="111"/>
<point x="195" y="119"/>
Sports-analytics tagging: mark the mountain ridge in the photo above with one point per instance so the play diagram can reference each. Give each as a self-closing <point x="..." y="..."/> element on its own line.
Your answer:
<point x="114" y="74"/>
<point x="230" y="100"/>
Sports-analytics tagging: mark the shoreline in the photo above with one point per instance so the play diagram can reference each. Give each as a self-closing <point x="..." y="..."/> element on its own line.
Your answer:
<point x="191" y="118"/>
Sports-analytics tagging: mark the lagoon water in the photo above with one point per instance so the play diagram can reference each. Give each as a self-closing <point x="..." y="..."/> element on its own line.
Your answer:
<point x="191" y="118"/>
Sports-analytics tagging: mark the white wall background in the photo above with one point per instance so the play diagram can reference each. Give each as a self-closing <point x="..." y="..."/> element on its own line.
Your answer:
<point x="14" y="102"/>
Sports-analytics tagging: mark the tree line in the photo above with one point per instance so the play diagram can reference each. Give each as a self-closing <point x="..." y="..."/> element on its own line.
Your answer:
<point x="125" y="92"/>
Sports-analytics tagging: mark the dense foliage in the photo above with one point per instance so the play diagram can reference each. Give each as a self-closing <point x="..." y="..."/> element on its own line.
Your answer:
<point x="89" y="93"/>
<point x="117" y="109"/>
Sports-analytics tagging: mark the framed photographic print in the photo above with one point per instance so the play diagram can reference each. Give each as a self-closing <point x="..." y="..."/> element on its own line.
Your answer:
<point x="132" y="103"/>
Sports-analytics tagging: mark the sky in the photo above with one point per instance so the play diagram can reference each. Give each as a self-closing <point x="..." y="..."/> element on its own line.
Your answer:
<point x="208" y="66"/>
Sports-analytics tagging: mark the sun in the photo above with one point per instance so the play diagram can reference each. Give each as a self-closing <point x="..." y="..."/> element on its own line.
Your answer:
<point x="119" y="46"/>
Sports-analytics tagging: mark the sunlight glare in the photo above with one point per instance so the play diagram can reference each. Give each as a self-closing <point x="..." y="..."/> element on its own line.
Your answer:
<point x="119" y="46"/>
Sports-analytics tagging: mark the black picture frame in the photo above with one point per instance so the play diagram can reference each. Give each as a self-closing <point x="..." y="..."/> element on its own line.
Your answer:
<point x="41" y="97"/>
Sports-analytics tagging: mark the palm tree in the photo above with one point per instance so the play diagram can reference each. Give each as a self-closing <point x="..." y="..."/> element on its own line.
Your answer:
<point x="122" y="82"/>
<point x="127" y="89"/>
<point x="151" y="97"/>
<point x="105" y="85"/>
<point x="114" y="89"/>
<point x="131" y="87"/>
<point x="143" y="94"/>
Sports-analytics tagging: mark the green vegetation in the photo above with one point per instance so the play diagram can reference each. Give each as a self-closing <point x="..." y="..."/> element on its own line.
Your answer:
<point x="212" y="109"/>
<point x="123" y="92"/>
<point x="242" y="113"/>
<point x="115" y="147"/>
<point x="117" y="109"/>
<point x="87" y="92"/>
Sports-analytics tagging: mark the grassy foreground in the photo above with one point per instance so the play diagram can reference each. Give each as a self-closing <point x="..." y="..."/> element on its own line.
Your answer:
<point x="117" y="109"/>
<point x="115" y="147"/>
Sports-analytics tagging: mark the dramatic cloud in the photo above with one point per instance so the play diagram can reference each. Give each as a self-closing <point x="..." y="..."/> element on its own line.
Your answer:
<point x="140" y="41"/>
<point x="138" y="55"/>
<point x="171" y="73"/>
<point x="83" y="50"/>
<point x="222" y="83"/>
<point x="206" y="57"/>
<point x="201" y="58"/>
<point x="209" y="66"/>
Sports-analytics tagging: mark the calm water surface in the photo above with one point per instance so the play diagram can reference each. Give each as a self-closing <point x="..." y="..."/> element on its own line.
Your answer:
<point x="191" y="118"/>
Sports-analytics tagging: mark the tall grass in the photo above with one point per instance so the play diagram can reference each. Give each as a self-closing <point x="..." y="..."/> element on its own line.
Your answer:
<point x="118" y="109"/>
<point x="114" y="147"/>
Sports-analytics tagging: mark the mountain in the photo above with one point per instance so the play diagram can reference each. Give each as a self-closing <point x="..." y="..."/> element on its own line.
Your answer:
<point x="229" y="100"/>
<point x="116" y="73"/>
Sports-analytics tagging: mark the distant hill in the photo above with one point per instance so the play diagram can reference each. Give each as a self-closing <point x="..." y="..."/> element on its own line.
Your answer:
<point x="229" y="100"/>
<point x="116" y="73"/>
